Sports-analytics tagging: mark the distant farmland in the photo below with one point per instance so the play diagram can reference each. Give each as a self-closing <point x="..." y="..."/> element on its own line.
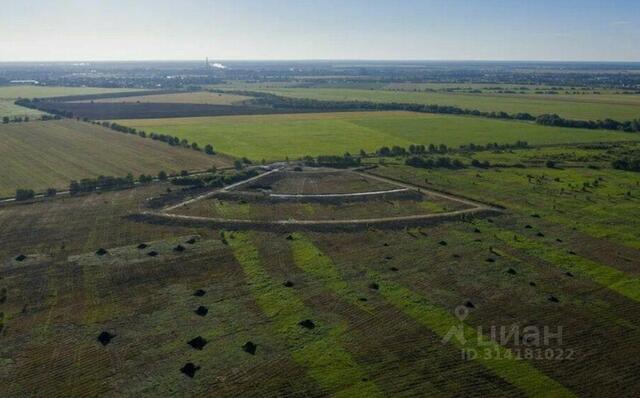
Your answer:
<point x="52" y="91"/>
<point x="38" y="155"/>
<point x="584" y="106"/>
<point x="198" y="97"/>
<point x="8" y="95"/>
<point x="275" y="137"/>
<point x="135" y="110"/>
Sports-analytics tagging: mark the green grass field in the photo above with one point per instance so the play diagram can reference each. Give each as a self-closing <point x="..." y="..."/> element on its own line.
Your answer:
<point x="38" y="155"/>
<point x="275" y="137"/>
<point x="200" y="97"/>
<point x="584" y="106"/>
<point x="573" y="195"/>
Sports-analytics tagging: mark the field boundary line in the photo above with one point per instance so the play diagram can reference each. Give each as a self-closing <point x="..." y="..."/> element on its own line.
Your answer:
<point x="475" y="208"/>
<point x="435" y="192"/>
<point x="215" y="191"/>
<point x="335" y="195"/>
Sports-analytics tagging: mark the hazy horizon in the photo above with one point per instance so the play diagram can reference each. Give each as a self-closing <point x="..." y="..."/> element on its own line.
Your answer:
<point x="321" y="60"/>
<point x="249" y="30"/>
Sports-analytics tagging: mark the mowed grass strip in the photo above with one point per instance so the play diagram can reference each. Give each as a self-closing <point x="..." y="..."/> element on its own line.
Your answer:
<point x="609" y="277"/>
<point x="517" y="372"/>
<point x="314" y="262"/>
<point x="38" y="155"/>
<point x="319" y="351"/>
<point x="275" y="137"/>
<point x="521" y="374"/>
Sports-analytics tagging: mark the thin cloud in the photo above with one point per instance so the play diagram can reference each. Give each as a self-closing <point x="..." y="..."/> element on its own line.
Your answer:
<point x="620" y="23"/>
<point x="562" y="34"/>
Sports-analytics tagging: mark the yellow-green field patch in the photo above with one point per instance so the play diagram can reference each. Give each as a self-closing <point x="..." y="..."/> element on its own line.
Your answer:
<point x="517" y="372"/>
<point x="275" y="137"/>
<point x="318" y="351"/>
<point x="39" y="155"/>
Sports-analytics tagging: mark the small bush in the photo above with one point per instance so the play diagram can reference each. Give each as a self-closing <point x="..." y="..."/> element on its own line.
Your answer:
<point x="24" y="194"/>
<point x="250" y="348"/>
<point x="307" y="324"/>
<point x="105" y="338"/>
<point x="190" y="369"/>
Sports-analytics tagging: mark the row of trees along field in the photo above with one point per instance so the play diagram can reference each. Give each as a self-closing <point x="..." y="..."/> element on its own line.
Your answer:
<point x="338" y="162"/>
<point x="110" y="183"/>
<point x="24" y="119"/>
<point x="215" y="180"/>
<point x="627" y="164"/>
<point x="169" y="139"/>
<point x="442" y="148"/>
<point x="101" y="183"/>
<point x="294" y="103"/>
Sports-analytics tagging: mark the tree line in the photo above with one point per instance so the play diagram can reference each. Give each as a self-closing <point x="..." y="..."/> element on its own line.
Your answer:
<point x="215" y="180"/>
<point x="103" y="183"/>
<point x="100" y="183"/>
<point x="627" y="164"/>
<point x="24" y="119"/>
<point x="629" y="126"/>
<point x="440" y="162"/>
<point x="395" y="150"/>
<point x="166" y="138"/>
<point x="110" y="183"/>
<point x="444" y="162"/>
<point x="337" y="162"/>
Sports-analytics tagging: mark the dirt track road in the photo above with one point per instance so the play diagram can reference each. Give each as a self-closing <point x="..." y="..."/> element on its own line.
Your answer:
<point x="223" y="189"/>
<point x="439" y="194"/>
<point x="474" y="208"/>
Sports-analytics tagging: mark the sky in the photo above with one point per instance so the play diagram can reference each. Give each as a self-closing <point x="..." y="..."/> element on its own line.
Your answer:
<point x="92" y="30"/>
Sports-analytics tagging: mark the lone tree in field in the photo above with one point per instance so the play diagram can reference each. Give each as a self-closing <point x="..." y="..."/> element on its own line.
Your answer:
<point x="208" y="149"/>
